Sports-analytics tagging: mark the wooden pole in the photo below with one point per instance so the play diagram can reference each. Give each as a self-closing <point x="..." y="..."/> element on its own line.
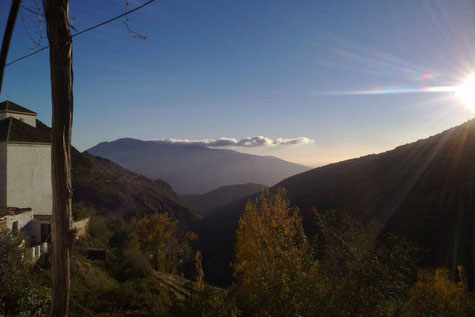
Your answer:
<point x="7" y="37"/>
<point x="61" y="68"/>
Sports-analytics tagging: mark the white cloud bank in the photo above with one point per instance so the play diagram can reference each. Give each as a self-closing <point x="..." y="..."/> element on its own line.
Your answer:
<point x="246" y="142"/>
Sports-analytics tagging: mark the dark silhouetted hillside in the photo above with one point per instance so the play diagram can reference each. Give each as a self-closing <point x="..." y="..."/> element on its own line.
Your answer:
<point x="111" y="189"/>
<point x="195" y="169"/>
<point x="423" y="190"/>
<point x="220" y="197"/>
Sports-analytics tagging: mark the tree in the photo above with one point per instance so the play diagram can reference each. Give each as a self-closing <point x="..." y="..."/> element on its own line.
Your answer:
<point x="273" y="257"/>
<point x="7" y="37"/>
<point x="61" y="69"/>
<point x="200" y="276"/>
<point x="60" y="44"/>
<point x="20" y="293"/>
<point x="360" y="273"/>
<point x="435" y="294"/>
<point x="160" y="240"/>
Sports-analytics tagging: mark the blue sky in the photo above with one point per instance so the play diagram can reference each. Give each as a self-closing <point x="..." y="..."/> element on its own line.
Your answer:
<point x="279" y="69"/>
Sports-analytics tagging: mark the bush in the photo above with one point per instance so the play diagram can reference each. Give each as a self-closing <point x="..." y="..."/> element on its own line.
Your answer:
<point x="20" y="291"/>
<point x="79" y="211"/>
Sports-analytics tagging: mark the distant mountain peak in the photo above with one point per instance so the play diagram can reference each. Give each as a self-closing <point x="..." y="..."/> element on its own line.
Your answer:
<point x="191" y="168"/>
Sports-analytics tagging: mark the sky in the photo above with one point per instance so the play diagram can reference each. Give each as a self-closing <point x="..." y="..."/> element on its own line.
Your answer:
<point x="326" y="72"/>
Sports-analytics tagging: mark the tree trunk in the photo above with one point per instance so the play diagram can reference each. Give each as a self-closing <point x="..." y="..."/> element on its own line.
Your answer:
<point x="61" y="68"/>
<point x="7" y="37"/>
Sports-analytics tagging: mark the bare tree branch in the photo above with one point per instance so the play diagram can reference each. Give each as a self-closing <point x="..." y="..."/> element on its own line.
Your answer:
<point x="38" y="39"/>
<point x="133" y="34"/>
<point x="36" y="43"/>
<point x="7" y="37"/>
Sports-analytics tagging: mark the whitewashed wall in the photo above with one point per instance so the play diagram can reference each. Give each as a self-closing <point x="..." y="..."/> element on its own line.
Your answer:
<point x="3" y="174"/>
<point x="23" y="219"/>
<point x="29" y="119"/>
<point x="28" y="180"/>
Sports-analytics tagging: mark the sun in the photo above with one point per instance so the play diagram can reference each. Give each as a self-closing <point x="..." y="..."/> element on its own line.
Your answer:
<point x="466" y="91"/>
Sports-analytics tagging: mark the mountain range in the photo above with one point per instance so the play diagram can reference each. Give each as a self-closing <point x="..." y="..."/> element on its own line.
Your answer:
<point x="109" y="189"/>
<point x="195" y="169"/>
<point x="424" y="191"/>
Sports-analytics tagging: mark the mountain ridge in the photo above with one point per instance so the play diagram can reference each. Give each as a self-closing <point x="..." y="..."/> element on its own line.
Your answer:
<point x="195" y="169"/>
<point x="220" y="197"/>
<point x="422" y="190"/>
<point x="111" y="190"/>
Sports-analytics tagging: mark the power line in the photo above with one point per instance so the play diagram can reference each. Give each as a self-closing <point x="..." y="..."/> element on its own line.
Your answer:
<point x="84" y="31"/>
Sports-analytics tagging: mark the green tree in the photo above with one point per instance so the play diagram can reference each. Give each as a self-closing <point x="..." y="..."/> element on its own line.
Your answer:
<point x="161" y="241"/>
<point x="360" y="272"/>
<point x="20" y="292"/>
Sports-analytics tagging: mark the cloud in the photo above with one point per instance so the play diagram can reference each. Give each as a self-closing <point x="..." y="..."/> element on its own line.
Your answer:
<point x="294" y="141"/>
<point x="254" y="141"/>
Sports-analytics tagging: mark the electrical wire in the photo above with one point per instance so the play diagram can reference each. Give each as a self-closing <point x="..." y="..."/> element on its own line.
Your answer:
<point x="84" y="31"/>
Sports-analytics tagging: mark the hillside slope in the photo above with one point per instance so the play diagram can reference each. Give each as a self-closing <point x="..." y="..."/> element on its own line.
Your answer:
<point x="424" y="191"/>
<point x="220" y="197"/>
<point x="110" y="189"/>
<point x="195" y="169"/>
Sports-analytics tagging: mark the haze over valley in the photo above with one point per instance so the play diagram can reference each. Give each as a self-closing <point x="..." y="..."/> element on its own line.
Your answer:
<point x="195" y="168"/>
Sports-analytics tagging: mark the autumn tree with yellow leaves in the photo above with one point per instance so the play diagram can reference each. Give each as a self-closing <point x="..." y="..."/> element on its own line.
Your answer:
<point x="160" y="240"/>
<point x="273" y="257"/>
<point x="436" y="294"/>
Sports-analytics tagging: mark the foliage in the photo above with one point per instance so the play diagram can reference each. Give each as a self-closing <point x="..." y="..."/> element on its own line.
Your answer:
<point x="347" y="269"/>
<point x="360" y="273"/>
<point x="125" y="260"/>
<point x="20" y="292"/>
<point x="126" y="284"/>
<point x="205" y="300"/>
<point x="159" y="239"/>
<point x="200" y="276"/>
<point x="435" y="294"/>
<point x="79" y="211"/>
<point x="99" y="233"/>
<point x="273" y="258"/>
<point x="138" y="297"/>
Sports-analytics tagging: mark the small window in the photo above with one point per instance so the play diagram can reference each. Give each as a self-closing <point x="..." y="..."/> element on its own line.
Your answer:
<point x="15" y="226"/>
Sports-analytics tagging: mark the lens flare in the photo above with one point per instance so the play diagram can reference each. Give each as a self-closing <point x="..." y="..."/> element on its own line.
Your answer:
<point x="466" y="92"/>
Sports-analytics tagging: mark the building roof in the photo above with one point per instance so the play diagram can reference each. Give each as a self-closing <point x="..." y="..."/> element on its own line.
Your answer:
<point x="14" y="130"/>
<point x="12" y="211"/>
<point x="7" y="105"/>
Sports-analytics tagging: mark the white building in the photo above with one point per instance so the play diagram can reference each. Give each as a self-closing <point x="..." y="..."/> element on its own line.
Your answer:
<point x="25" y="173"/>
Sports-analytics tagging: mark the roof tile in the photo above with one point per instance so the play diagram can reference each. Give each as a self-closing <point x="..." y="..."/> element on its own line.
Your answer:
<point x="14" y="130"/>
<point x="7" y="105"/>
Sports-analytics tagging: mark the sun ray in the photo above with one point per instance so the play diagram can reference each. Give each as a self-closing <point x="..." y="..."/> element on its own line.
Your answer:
<point x="466" y="92"/>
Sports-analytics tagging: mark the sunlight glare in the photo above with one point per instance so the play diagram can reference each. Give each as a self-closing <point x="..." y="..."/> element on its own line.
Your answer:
<point x="466" y="92"/>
